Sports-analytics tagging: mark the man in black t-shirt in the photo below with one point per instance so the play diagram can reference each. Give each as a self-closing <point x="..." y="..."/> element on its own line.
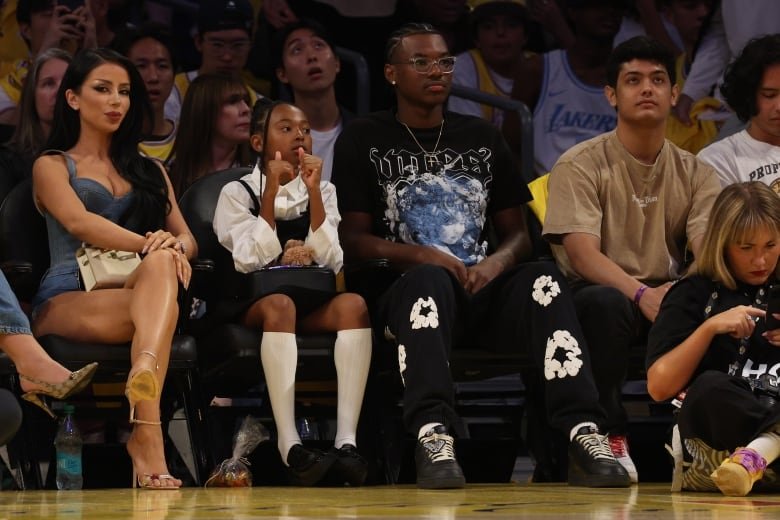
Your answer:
<point x="416" y="186"/>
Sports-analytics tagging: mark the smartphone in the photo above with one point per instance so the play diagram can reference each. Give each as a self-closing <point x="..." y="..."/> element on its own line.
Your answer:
<point x="72" y="5"/>
<point x="773" y="307"/>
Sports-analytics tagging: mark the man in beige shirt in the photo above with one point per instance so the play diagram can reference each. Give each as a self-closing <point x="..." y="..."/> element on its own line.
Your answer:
<point x="622" y="208"/>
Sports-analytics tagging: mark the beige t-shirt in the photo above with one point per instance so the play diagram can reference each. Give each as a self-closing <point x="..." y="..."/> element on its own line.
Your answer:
<point x="643" y="214"/>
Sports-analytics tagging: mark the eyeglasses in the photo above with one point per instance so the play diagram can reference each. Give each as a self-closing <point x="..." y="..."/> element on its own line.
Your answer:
<point x="424" y="65"/>
<point x="219" y="47"/>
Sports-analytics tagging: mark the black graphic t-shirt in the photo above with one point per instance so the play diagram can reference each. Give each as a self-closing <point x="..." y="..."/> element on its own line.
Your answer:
<point x="439" y="199"/>
<point x="683" y="311"/>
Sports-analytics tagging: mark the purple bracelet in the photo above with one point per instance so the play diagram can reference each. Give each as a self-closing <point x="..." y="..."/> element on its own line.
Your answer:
<point x="638" y="294"/>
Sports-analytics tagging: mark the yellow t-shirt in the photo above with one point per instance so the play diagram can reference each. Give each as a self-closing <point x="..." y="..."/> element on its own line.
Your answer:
<point x="702" y="132"/>
<point x="12" y="77"/>
<point x="161" y="149"/>
<point x="12" y="46"/>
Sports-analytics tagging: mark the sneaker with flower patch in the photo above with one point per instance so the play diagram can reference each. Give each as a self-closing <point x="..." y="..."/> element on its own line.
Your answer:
<point x="591" y="462"/>
<point x="619" y="446"/>
<point x="434" y="457"/>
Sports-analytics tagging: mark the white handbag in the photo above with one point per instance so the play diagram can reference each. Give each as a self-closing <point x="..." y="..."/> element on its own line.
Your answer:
<point x="105" y="268"/>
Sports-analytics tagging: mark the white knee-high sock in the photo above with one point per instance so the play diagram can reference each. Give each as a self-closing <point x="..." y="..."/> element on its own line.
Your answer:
<point x="279" y="354"/>
<point x="352" y="356"/>
<point x="767" y="445"/>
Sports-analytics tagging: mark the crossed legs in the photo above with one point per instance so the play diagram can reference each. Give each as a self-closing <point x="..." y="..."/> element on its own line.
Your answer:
<point x="143" y="312"/>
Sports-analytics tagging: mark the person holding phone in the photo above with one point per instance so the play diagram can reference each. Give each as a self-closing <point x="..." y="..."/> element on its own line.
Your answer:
<point x="710" y="347"/>
<point x="43" y="24"/>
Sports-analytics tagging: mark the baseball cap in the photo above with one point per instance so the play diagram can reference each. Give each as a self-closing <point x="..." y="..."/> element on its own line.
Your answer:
<point x="26" y="8"/>
<point x="481" y="9"/>
<point x="222" y="15"/>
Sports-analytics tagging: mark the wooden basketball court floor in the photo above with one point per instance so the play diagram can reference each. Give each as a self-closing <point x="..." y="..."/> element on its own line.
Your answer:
<point x="645" y="501"/>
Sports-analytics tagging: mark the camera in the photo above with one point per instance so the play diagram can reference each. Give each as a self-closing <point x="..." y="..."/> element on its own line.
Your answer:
<point x="765" y="388"/>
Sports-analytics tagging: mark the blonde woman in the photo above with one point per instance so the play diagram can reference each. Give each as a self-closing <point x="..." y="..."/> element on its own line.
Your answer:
<point x="709" y="347"/>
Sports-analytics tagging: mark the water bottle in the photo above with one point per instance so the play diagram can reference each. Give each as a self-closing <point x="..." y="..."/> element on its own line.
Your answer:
<point x="307" y="429"/>
<point x="68" y="443"/>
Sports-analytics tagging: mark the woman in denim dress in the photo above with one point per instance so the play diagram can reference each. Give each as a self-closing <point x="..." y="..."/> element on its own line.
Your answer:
<point x="94" y="187"/>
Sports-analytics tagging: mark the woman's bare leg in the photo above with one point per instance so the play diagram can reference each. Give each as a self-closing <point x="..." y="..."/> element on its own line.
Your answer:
<point x="144" y="312"/>
<point x="154" y="311"/>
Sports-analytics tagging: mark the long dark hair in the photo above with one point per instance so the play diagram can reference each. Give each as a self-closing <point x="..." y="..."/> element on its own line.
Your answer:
<point x="744" y="75"/>
<point x="200" y="109"/>
<point x="151" y="203"/>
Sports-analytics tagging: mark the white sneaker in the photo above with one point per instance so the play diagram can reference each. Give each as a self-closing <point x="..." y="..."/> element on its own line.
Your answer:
<point x="619" y="446"/>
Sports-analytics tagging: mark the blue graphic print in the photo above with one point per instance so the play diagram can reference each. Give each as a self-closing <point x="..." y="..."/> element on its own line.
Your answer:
<point x="443" y="206"/>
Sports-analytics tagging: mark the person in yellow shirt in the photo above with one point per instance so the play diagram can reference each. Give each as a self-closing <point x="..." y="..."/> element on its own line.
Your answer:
<point x="12" y="46"/>
<point x="43" y="24"/>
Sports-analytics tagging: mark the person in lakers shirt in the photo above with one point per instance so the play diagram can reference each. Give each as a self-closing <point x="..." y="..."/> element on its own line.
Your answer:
<point x="567" y="93"/>
<point x="500" y="29"/>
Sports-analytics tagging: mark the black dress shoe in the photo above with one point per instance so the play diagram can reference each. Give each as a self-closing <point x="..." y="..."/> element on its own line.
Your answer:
<point x="349" y="468"/>
<point x="307" y="467"/>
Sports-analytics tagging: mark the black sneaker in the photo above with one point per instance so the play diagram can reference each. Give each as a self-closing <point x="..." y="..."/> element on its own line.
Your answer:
<point x="591" y="462"/>
<point x="307" y="467"/>
<point x="349" y="467"/>
<point x="434" y="457"/>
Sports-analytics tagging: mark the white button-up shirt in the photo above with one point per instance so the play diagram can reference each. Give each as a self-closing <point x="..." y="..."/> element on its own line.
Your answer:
<point x="251" y="240"/>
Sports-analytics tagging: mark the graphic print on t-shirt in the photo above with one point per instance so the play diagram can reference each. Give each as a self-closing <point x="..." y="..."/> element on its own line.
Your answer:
<point x="440" y="203"/>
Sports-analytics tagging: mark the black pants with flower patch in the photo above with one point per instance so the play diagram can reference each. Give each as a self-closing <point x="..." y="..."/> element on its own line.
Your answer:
<point x="527" y="309"/>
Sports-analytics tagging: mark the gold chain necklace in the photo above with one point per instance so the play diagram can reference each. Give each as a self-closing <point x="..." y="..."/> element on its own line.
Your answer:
<point x="430" y="157"/>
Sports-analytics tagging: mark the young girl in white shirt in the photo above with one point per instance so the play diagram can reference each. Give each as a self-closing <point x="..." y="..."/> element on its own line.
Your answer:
<point x="294" y="203"/>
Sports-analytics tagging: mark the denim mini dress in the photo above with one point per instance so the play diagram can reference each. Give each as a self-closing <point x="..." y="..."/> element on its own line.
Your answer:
<point x="63" y="272"/>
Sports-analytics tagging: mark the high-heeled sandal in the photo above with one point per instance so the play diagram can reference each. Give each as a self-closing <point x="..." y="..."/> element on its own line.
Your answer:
<point x="144" y="480"/>
<point x="75" y="383"/>
<point x="142" y="385"/>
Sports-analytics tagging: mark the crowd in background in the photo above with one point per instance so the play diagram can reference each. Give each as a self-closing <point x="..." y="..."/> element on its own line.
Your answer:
<point x="643" y="111"/>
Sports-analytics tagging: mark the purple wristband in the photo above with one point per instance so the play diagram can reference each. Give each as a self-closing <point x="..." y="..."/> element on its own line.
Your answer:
<point x="638" y="294"/>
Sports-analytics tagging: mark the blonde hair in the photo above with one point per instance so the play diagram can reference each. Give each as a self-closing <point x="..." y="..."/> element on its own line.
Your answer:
<point x="738" y="213"/>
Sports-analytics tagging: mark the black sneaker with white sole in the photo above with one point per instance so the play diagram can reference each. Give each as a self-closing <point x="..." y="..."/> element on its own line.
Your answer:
<point x="592" y="463"/>
<point x="434" y="456"/>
